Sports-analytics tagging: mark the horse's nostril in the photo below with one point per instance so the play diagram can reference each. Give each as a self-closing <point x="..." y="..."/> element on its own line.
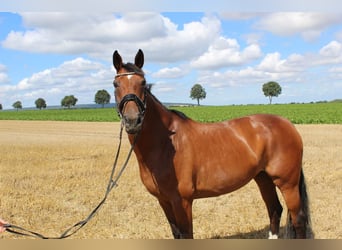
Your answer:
<point x="129" y="120"/>
<point x="132" y="121"/>
<point x="132" y="124"/>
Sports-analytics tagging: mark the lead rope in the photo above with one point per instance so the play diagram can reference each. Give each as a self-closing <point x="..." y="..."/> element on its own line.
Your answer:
<point x="73" y="229"/>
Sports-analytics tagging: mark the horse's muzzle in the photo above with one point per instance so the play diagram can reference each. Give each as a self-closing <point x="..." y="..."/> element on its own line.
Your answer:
<point x="132" y="119"/>
<point x="132" y="124"/>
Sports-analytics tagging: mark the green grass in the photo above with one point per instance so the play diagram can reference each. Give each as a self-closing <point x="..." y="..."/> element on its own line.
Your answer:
<point x="89" y="115"/>
<point x="318" y="113"/>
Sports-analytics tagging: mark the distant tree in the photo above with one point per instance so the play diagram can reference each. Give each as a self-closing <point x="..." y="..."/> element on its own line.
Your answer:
<point x="40" y="103"/>
<point x="197" y="92"/>
<point x="271" y="89"/>
<point x="102" y="97"/>
<point x="69" y="101"/>
<point x="0" y="106"/>
<point x="17" y="105"/>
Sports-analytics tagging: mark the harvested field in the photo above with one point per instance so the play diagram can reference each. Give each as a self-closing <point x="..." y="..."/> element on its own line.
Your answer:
<point x="52" y="174"/>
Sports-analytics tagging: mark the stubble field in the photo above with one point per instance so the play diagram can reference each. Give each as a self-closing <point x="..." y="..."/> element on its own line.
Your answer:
<point x="52" y="174"/>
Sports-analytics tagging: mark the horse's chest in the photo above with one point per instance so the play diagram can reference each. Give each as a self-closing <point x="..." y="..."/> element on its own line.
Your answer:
<point x="149" y="180"/>
<point x="160" y="182"/>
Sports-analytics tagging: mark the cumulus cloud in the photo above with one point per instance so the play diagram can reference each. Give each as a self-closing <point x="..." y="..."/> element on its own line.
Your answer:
<point x="80" y="77"/>
<point x="273" y="66"/>
<point x="273" y="63"/>
<point x="74" y="33"/>
<point x="308" y="25"/>
<point x="331" y="53"/>
<point x="99" y="34"/>
<point x="174" y="72"/>
<point x="225" y="52"/>
<point x="186" y="43"/>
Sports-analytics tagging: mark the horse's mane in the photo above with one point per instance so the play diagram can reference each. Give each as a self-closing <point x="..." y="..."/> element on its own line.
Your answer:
<point x="178" y="113"/>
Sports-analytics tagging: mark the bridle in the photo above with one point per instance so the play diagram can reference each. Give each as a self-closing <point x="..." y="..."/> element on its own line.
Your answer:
<point x="141" y="104"/>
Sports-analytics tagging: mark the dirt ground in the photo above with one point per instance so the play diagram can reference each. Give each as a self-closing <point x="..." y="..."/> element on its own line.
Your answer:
<point x="52" y="174"/>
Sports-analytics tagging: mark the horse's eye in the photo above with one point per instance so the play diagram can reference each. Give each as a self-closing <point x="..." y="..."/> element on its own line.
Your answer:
<point x="116" y="84"/>
<point x="143" y="83"/>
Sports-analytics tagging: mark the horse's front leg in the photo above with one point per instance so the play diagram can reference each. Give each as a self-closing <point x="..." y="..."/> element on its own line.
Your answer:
<point x="179" y="216"/>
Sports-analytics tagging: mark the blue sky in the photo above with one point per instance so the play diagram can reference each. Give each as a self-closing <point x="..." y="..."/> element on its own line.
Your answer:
<point x="231" y="54"/>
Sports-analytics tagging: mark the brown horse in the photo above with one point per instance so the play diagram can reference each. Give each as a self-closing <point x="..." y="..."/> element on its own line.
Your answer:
<point x="181" y="160"/>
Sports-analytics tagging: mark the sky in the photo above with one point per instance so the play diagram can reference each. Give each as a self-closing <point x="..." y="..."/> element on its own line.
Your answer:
<point x="47" y="54"/>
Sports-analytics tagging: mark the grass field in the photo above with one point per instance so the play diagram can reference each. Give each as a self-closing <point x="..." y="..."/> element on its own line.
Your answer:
<point x="318" y="113"/>
<point x="54" y="173"/>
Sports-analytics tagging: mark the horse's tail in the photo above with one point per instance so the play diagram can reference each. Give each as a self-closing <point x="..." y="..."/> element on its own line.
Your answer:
<point x="289" y="229"/>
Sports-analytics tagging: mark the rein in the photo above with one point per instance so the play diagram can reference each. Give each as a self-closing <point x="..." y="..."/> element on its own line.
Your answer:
<point x="73" y="229"/>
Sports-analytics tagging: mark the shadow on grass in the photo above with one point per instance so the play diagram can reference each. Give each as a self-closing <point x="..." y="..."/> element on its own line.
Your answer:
<point x="258" y="234"/>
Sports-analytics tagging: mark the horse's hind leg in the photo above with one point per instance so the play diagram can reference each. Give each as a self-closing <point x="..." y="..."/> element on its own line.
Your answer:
<point x="298" y="218"/>
<point x="270" y="197"/>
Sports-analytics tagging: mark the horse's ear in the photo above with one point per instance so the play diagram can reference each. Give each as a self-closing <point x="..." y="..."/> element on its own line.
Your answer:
<point x="117" y="60"/>
<point x="139" y="59"/>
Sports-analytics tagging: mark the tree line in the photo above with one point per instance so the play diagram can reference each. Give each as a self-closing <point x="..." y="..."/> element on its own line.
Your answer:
<point x="101" y="97"/>
<point x="270" y="89"/>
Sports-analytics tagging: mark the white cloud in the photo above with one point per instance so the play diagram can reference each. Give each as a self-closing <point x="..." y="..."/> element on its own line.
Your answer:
<point x="273" y="63"/>
<point x="99" y="34"/>
<point x="174" y="72"/>
<point x="336" y="73"/>
<point x="332" y="52"/>
<point x="225" y="52"/>
<point x="184" y="44"/>
<point x="80" y="77"/>
<point x="3" y="74"/>
<point x="308" y="25"/>
<point x="292" y="69"/>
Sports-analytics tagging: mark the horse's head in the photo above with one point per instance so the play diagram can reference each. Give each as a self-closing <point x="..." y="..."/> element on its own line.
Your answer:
<point x="130" y="91"/>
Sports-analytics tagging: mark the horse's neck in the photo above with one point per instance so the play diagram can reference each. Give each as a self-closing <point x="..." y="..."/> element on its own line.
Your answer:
<point x="156" y="114"/>
<point x="156" y="121"/>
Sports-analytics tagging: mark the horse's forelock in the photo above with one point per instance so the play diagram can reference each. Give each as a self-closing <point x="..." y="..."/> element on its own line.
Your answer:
<point x="130" y="67"/>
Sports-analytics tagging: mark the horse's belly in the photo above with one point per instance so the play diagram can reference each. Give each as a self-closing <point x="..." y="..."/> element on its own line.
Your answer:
<point x="220" y="180"/>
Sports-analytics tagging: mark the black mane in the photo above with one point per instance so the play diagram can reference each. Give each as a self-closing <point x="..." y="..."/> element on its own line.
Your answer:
<point x="180" y="114"/>
<point x="176" y="112"/>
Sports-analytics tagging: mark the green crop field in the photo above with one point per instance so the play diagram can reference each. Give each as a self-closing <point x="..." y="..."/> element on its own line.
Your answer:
<point x="318" y="113"/>
<point x="89" y="115"/>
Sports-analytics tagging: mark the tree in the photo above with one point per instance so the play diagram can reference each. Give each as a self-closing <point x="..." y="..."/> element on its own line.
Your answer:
<point x="17" y="105"/>
<point x="0" y="106"/>
<point x="69" y="101"/>
<point x="197" y="92"/>
<point x="102" y="97"/>
<point x="271" y="89"/>
<point x="40" y="103"/>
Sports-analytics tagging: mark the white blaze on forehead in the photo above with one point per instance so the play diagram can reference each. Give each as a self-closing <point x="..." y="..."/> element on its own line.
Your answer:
<point x="129" y="77"/>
